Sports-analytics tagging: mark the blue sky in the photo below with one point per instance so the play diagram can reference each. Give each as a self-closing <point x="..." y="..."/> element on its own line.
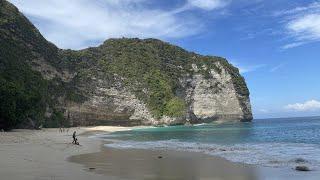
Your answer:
<point x="275" y="44"/>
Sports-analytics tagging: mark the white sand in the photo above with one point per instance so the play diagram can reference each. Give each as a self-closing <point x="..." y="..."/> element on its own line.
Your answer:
<point x="41" y="155"/>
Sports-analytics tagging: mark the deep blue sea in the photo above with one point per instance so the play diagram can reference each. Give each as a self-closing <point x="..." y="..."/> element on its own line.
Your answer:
<point x="282" y="142"/>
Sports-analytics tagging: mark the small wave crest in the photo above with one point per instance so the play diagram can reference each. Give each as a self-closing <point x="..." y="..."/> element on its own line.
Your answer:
<point x="202" y="124"/>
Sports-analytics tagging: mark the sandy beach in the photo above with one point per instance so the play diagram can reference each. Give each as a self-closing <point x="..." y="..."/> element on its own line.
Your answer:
<point x="49" y="155"/>
<point x="41" y="155"/>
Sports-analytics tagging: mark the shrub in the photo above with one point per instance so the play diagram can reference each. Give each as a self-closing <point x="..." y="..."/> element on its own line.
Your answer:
<point x="56" y="120"/>
<point x="176" y="107"/>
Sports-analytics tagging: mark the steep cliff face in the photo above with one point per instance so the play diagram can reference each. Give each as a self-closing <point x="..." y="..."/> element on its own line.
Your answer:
<point x="121" y="82"/>
<point x="133" y="81"/>
<point x="216" y="97"/>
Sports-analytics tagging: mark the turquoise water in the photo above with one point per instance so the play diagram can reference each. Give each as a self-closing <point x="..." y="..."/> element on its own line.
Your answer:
<point x="268" y="142"/>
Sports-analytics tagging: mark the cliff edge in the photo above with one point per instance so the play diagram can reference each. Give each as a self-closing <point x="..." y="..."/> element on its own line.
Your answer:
<point x="121" y="82"/>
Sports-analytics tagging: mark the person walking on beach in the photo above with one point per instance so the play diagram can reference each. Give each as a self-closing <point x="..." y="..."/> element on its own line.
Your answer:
<point x="74" y="138"/>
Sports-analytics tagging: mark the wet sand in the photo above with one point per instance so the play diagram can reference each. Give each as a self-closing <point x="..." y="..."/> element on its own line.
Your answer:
<point x="154" y="165"/>
<point x="146" y="164"/>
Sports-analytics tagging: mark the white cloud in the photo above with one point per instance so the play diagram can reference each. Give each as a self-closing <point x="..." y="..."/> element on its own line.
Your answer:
<point x="276" y="68"/>
<point x="302" y="24"/>
<point x="264" y="111"/>
<point x="311" y="105"/>
<point x="78" y="24"/>
<point x="208" y="4"/>
<point x="312" y="7"/>
<point x="306" y="27"/>
<point x="292" y="45"/>
<point x="247" y="68"/>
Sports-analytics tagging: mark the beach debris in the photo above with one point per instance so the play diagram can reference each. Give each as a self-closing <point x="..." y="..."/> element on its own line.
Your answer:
<point x="300" y="160"/>
<point x="159" y="157"/>
<point x="302" y="168"/>
<point x="92" y="168"/>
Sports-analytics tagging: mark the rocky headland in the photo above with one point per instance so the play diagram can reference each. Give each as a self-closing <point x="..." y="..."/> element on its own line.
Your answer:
<point x="121" y="82"/>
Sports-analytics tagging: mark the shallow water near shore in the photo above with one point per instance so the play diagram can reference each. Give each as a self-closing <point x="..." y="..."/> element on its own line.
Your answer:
<point x="286" y="142"/>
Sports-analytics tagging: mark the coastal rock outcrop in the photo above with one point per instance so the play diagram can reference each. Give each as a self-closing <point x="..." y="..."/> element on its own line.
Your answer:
<point x="121" y="82"/>
<point x="302" y="168"/>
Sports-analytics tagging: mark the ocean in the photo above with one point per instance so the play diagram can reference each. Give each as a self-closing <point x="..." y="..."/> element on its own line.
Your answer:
<point x="285" y="142"/>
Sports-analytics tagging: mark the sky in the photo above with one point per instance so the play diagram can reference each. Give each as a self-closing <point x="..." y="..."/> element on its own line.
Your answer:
<point x="275" y="44"/>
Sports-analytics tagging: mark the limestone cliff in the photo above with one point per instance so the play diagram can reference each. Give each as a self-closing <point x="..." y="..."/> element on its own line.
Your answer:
<point x="121" y="82"/>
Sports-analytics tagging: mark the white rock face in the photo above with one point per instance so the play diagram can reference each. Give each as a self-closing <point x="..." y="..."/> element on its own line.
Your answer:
<point x="214" y="97"/>
<point x="209" y="98"/>
<point x="116" y="105"/>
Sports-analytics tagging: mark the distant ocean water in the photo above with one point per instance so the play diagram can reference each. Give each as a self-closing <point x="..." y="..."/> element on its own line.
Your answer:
<point x="269" y="142"/>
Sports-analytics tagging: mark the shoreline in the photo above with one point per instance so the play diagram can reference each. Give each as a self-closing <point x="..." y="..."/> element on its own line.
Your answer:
<point x="47" y="154"/>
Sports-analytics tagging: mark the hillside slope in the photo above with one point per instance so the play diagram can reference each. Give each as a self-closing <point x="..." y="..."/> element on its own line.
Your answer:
<point x="121" y="82"/>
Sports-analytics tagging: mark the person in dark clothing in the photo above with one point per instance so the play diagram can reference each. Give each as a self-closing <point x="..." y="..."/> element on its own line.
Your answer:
<point x="74" y="138"/>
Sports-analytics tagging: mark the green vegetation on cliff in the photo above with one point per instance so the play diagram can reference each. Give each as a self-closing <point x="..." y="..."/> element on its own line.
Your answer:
<point x="160" y="65"/>
<point x="23" y="91"/>
<point x="149" y="68"/>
